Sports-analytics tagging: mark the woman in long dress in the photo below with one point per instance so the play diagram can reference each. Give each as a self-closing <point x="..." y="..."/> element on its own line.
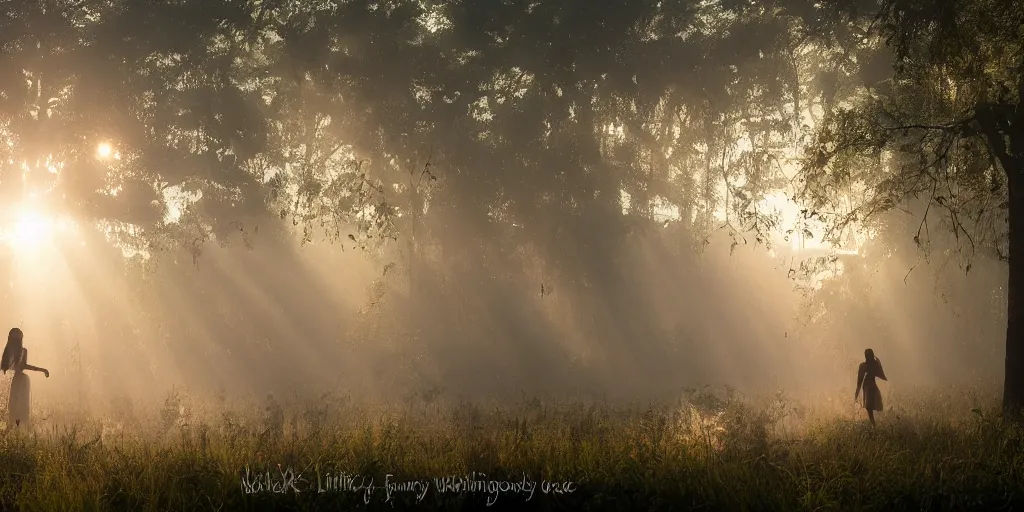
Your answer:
<point x="15" y="358"/>
<point x="870" y="369"/>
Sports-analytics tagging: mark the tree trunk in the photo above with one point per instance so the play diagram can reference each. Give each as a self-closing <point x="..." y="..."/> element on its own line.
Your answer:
<point x="1013" y="384"/>
<point x="1001" y="126"/>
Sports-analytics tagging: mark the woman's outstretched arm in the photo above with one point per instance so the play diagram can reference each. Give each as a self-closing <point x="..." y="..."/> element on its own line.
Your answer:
<point x="27" y="366"/>
<point x="881" y="372"/>
<point x="44" y="371"/>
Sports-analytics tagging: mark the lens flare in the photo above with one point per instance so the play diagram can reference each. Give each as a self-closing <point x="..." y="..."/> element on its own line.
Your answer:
<point x="104" y="150"/>
<point x="31" y="230"/>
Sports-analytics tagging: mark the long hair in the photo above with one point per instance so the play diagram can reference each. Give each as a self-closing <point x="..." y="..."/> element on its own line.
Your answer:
<point x="874" y="364"/>
<point x="13" y="350"/>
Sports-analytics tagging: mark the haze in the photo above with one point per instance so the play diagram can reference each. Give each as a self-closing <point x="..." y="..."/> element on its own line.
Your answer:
<point x="625" y="250"/>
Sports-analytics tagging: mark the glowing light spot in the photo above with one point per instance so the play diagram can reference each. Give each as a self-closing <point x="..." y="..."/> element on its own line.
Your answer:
<point x="31" y="230"/>
<point x="104" y="150"/>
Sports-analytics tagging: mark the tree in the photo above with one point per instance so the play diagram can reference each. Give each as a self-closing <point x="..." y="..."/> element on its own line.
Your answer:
<point x="319" y="117"/>
<point x="944" y="133"/>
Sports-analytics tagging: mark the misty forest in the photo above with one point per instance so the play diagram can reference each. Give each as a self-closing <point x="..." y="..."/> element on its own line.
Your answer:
<point x="647" y="242"/>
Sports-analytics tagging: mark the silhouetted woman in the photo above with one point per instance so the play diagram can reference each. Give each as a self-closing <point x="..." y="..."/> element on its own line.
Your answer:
<point x="16" y="358"/>
<point x="866" y="374"/>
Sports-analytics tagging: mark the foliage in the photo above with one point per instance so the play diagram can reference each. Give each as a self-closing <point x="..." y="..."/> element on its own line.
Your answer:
<point x="320" y="112"/>
<point x="931" y="136"/>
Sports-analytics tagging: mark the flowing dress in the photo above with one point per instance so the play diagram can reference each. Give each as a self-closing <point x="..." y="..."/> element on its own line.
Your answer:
<point x="18" y="405"/>
<point x="872" y="397"/>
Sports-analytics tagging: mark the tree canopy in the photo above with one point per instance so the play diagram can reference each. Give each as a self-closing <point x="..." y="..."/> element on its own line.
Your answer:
<point x="453" y="137"/>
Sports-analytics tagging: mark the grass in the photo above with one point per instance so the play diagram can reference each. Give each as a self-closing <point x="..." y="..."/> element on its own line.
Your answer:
<point x="711" y="450"/>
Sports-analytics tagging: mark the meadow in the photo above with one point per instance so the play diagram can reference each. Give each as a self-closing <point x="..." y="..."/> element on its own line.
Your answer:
<point x="709" y="450"/>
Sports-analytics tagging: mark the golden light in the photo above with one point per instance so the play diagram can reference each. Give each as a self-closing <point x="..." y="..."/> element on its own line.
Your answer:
<point x="791" y="220"/>
<point x="104" y="150"/>
<point x="31" y="230"/>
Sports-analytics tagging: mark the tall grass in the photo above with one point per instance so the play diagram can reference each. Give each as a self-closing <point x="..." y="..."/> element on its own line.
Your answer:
<point x="713" y="450"/>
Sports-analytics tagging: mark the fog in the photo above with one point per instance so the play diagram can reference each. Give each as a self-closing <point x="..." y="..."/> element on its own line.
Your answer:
<point x="657" y="316"/>
<point x="379" y="201"/>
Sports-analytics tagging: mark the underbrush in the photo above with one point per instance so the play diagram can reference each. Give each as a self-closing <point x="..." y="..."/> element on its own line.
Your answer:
<point x="712" y="450"/>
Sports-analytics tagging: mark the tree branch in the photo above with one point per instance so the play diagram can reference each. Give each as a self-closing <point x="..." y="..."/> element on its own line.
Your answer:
<point x="924" y="219"/>
<point x="989" y="124"/>
<point x="942" y="127"/>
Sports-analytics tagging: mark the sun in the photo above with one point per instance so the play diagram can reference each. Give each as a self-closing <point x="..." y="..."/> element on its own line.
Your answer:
<point x="104" y="150"/>
<point x="31" y="229"/>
